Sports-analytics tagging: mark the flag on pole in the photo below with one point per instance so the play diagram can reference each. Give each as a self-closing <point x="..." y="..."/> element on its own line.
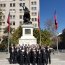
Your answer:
<point x="55" y="19"/>
<point x="8" y="21"/>
<point x="38" y="22"/>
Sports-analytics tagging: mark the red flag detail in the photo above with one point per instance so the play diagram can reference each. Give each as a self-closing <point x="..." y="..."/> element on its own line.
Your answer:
<point x="56" y="24"/>
<point x="8" y="21"/>
<point x="38" y="22"/>
<point x="8" y="28"/>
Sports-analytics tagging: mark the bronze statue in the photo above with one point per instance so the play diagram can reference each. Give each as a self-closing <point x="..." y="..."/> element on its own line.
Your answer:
<point x="26" y="16"/>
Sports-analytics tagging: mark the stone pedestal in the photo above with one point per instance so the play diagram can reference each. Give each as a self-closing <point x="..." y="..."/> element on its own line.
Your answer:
<point x="27" y="37"/>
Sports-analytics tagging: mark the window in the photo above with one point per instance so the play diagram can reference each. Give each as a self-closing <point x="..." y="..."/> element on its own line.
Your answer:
<point x="3" y="23"/>
<point x="0" y="39"/>
<point x="4" y="5"/>
<point x="34" y="13"/>
<point x="3" y="10"/>
<point x="0" y="5"/>
<point x="20" y="22"/>
<point x="21" y="16"/>
<point x="35" y="25"/>
<point x="34" y="19"/>
<point x="33" y="8"/>
<point x="12" y="10"/>
<point x="33" y="3"/>
<point x="0" y="28"/>
<point x="0" y="17"/>
<point x="12" y="4"/>
<point x="4" y="17"/>
<point x="10" y="16"/>
<point x="3" y="28"/>
<point x="13" y="22"/>
<point x="13" y="16"/>
<point x="21" y="4"/>
<point x="0" y="10"/>
<point x="0" y="23"/>
<point x="20" y="10"/>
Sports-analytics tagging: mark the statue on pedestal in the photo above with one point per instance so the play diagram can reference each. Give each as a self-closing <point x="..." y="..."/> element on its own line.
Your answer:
<point x="27" y="37"/>
<point x="26" y="16"/>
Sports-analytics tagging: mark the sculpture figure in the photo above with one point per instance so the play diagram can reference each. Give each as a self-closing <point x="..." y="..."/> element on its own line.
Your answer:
<point x="26" y="16"/>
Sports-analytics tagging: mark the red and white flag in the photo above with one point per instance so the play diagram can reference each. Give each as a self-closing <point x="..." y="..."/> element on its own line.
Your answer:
<point x="55" y="20"/>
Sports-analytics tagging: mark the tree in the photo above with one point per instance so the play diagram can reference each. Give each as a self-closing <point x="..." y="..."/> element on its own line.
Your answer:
<point x="36" y="33"/>
<point x="45" y="37"/>
<point x="50" y="26"/>
<point x="6" y="30"/>
<point x="16" y="35"/>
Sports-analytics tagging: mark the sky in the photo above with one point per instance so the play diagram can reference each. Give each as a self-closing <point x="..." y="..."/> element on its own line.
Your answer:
<point x="47" y="8"/>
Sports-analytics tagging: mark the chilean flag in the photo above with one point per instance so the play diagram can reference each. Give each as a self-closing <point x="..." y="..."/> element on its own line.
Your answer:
<point x="56" y="24"/>
<point x="8" y="21"/>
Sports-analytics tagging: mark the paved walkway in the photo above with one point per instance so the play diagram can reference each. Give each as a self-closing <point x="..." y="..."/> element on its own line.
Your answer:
<point x="55" y="60"/>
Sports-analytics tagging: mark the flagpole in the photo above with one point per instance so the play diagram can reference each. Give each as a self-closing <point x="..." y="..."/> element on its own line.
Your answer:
<point x="56" y="26"/>
<point x="57" y="43"/>
<point x="39" y="23"/>
<point x="8" y="21"/>
<point x="8" y="38"/>
<point x="8" y="42"/>
<point x="40" y="36"/>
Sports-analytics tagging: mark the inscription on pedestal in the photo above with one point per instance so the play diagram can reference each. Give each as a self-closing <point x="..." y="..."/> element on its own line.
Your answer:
<point x="27" y="31"/>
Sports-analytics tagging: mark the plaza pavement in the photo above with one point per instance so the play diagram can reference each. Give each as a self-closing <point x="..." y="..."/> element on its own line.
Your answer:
<point x="56" y="59"/>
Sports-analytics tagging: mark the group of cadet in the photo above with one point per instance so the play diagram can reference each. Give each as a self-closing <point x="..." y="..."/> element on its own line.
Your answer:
<point x="26" y="55"/>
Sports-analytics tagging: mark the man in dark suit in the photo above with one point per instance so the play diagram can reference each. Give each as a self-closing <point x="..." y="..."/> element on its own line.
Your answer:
<point x="22" y="57"/>
<point x="15" y="54"/>
<point x="11" y="50"/>
<point x="31" y="56"/>
<point x="48" y="53"/>
<point x="34" y="57"/>
<point x="39" y="57"/>
<point x="27" y="57"/>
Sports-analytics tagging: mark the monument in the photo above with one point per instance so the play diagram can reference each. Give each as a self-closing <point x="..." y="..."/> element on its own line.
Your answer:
<point x="27" y="37"/>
